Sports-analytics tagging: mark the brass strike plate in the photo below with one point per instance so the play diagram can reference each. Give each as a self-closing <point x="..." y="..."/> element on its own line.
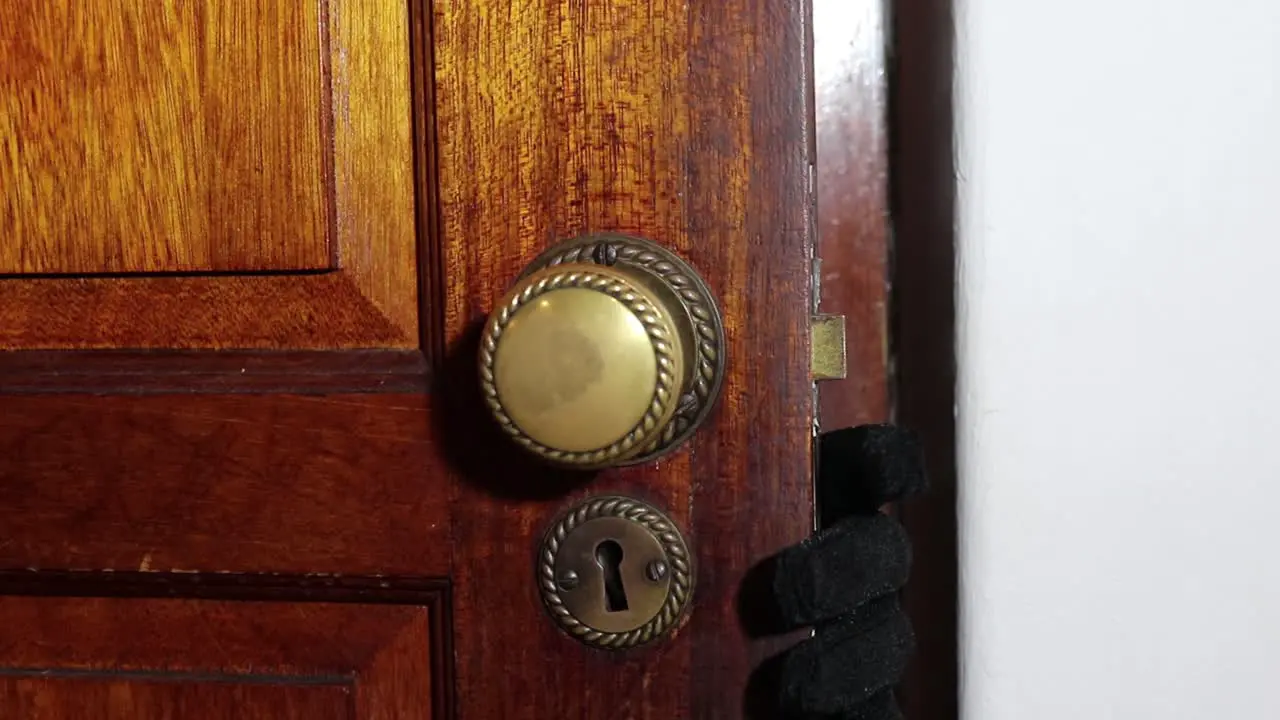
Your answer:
<point x="615" y="573"/>
<point x="829" y="358"/>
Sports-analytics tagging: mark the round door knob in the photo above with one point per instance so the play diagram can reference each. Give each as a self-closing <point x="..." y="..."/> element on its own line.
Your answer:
<point x="608" y="351"/>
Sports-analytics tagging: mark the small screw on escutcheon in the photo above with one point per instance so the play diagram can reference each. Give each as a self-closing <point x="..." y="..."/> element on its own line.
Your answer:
<point x="655" y="570"/>
<point x="568" y="580"/>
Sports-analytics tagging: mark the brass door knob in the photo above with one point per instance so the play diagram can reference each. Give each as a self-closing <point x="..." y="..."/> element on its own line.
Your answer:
<point x="608" y="351"/>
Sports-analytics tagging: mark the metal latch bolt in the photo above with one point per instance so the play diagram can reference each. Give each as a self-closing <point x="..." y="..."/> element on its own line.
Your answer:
<point x="829" y="359"/>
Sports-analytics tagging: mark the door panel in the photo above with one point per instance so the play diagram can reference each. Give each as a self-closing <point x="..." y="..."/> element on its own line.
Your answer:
<point x="310" y="443"/>
<point x="229" y="136"/>
<point x="185" y="136"/>
<point x="138" y="657"/>
<point x="241" y="482"/>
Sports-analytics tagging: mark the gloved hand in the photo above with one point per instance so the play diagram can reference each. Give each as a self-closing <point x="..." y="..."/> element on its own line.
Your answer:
<point x="844" y="581"/>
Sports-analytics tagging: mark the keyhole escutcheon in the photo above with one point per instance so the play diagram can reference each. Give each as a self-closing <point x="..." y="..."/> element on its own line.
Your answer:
<point x="615" y="573"/>
<point x="609" y="558"/>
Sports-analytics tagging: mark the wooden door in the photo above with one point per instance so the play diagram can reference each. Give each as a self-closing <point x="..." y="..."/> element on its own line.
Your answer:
<point x="246" y="247"/>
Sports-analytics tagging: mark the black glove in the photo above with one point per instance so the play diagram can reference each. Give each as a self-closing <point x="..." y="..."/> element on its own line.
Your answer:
<point x="845" y="579"/>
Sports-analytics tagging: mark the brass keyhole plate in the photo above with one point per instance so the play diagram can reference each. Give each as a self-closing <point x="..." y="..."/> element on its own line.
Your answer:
<point x="650" y="581"/>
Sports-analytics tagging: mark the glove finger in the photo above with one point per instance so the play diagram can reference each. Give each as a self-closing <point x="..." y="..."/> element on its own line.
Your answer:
<point x="840" y="569"/>
<point x="882" y="706"/>
<point x="847" y="664"/>
<point x="864" y="467"/>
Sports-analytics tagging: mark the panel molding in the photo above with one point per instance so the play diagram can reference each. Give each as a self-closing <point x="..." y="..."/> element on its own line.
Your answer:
<point x="334" y="483"/>
<point x="193" y="138"/>
<point x="374" y="683"/>
<point x="54" y="673"/>
<point x="370" y="301"/>
<point x="167" y="372"/>
<point x="278" y="587"/>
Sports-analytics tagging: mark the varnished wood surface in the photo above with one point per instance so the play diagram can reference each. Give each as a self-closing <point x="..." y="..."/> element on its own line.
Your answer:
<point x="374" y="146"/>
<point x="851" y="108"/>
<point x="186" y="372"/>
<point x="863" y="106"/>
<point x="180" y="136"/>
<point x="269" y="312"/>
<point x="104" y="656"/>
<point x="364" y="90"/>
<point x="317" y="641"/>
<point x="686" y="123"/>
<point x="401" y="589"/>
<point x="42" y="698"/>
<point x="924" y="336"/>
<point x="246" y="483"/>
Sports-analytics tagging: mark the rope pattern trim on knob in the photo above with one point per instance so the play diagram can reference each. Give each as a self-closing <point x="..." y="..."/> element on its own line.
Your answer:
<point x="611" y="249"/>
<point x="659" y="334"/>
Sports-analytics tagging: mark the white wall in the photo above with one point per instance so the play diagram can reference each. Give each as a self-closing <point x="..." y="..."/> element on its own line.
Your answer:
<point x="1119" y="345"/>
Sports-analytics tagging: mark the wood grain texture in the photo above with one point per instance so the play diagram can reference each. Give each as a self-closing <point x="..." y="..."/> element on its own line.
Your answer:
<point x="174" y="372"/>
<point x="39" y="698"/>
<point x="398" y="685"/>
<point x="374" y="154"/>
<point x="385" y="669"/>
<point x="316" y="641"/>
<point x="682" y="122"/>
<point x="852" y="87"/>
<point x="242" y="483"/>
<point x="430" y="592"/>
<point x="851" y="98"/>
<point x="924" y="337"/>
<point x="162" y="656"/>
<point x="236" y="312"/>
<point x="688" y="123"/>
<point x="366" y="93"/>
<point x="854" y="122"/>
<point x="183" y="136"/>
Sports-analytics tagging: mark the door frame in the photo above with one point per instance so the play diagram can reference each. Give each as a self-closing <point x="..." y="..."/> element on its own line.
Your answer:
<point x="922" y="205"/>
<point x="883" y="107"/>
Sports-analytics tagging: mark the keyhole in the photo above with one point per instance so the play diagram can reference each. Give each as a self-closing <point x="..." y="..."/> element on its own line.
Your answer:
<point x="609" y="558"/>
